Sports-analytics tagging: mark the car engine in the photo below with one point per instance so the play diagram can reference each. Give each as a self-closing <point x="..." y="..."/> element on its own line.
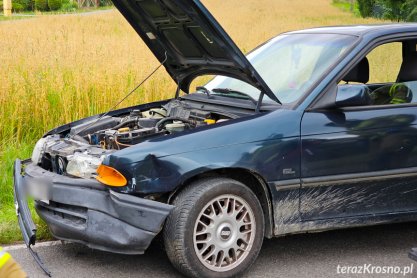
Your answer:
<point x="81" y="150"/>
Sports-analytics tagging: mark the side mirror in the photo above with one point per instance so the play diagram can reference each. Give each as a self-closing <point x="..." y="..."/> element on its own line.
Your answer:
<point x="352" y="95"/>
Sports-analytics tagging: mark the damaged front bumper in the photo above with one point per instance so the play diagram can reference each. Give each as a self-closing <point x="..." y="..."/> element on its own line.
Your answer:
<point x="84" y="211"/>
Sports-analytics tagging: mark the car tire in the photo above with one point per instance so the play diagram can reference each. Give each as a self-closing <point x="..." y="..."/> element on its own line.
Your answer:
<point x="215" y="230"/>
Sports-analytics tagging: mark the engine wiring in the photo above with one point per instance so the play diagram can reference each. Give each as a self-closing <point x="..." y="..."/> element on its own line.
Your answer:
<point x="120" y="144"/>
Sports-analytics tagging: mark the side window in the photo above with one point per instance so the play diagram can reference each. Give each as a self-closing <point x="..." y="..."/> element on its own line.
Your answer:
<point x="389" y="73"/>
<point x="384" y="63"/>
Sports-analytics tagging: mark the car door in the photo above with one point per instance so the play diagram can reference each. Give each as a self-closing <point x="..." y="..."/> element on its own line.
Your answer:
<point x="359" y="160"/>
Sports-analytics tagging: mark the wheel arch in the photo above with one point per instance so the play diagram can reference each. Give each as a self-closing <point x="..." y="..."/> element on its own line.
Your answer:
<point x="251" y="179"/>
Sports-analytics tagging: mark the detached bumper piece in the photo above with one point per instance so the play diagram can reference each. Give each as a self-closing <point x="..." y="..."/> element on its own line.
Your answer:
<point x="85" y="211"/>
<point x="27" y="227"/>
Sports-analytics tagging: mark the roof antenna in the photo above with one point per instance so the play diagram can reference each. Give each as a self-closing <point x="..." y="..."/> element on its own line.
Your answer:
<point x="125" y="97"/>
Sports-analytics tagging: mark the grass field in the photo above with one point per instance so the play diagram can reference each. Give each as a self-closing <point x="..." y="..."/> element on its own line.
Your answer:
<point x="56" y="69"/>
<point x="3" y="18"/>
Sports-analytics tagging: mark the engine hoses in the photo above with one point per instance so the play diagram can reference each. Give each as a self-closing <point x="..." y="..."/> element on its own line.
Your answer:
<point x="125" y="123"/>
<point x="169" y="119"/>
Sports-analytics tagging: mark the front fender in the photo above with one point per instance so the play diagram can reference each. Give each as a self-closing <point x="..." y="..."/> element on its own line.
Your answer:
<point x="263" y="143"/>
<point x="163" y="174"/>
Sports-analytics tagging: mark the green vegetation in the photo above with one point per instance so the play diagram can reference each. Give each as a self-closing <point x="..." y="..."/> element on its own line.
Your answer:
<point x="32" y="6"/>
<point x="17" y="8"/>
<point x="54" y="5"/>
<point x="41" y="5"/>
<point x="366" y="7"/>
<point x="68" y="6"/>
<point x="3" y="18"/>
<point x="348" y="6"/>
<point x="18" y="5"/>
<point x="25" y="5"/>
<point x="394" y="10"/>
<point x="9" y="230"/>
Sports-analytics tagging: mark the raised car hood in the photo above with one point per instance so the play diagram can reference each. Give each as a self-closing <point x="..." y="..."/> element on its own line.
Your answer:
<point x="193" y="40"/>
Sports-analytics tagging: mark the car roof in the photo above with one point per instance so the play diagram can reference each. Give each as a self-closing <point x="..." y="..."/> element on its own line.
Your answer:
<point x="375" y="30"/>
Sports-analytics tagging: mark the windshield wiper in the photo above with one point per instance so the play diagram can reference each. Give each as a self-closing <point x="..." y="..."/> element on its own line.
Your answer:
<point x="227" y="91"/>
<point x="204" y="90"/>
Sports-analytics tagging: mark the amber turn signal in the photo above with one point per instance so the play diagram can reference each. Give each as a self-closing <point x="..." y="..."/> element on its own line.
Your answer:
<point x="110" y="176"/>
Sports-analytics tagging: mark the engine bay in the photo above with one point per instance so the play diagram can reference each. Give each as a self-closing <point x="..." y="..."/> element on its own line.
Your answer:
<point x="80" y="150"/>
<point x="115" y="133"/>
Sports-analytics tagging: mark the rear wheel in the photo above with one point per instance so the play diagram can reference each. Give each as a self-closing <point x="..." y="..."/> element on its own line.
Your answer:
<point x="216" y="229"/>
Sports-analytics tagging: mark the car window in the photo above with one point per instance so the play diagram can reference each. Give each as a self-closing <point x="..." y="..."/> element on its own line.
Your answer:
<point x="390" y="67"/>
<point x="385" y="62"/>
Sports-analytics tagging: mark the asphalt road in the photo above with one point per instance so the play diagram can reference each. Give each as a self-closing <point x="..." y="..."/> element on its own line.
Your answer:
<point x="307" y="255"/>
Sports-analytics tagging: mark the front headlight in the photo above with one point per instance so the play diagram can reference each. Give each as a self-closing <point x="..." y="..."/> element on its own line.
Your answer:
<point x="83" y="165"/>
<point x="38" y="151"/>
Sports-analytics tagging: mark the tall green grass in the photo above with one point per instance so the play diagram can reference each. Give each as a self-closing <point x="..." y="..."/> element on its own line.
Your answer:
<point x="9" y="231"/>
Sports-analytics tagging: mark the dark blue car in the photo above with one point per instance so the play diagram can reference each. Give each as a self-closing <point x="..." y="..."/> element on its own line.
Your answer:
<point x="295" y="137"/>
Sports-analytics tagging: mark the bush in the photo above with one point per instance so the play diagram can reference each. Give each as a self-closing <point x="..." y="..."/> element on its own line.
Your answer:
<point x="410" y="10"/>
<point x="366" y="7"/>
<point x="69" y="6"/>
<point x="104" y="3"/>
<point x="26" y="4"/>
<point x="413" y="15"/>
<point x="393" y="9"/>
<point x="54" y="5"/>
<point x="41" y="5"/>
<point x="378" y="10"/>
<point x="17" y="8"/>
<point x="1" y="6"/>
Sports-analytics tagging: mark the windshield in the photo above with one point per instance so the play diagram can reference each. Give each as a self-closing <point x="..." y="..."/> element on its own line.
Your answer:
<point x="289" y="64"/>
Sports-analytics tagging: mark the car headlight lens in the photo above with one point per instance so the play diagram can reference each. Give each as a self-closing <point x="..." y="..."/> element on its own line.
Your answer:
<point x="38" y="151"/>
<point x="83" y="165"/>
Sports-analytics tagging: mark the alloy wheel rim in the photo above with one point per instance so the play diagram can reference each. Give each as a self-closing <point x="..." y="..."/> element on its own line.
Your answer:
<point x="224" y="233"/>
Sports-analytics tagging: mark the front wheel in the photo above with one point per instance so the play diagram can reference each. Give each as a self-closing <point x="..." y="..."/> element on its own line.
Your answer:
<point x="216" y="229"/>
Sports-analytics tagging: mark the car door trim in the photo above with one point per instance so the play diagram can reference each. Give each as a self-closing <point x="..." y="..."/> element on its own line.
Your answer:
<point x="286" y="184"/>
<point x="360" y="177"/>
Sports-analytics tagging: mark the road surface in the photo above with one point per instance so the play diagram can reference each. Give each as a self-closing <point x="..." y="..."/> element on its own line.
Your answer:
<point x="307" y="255"/>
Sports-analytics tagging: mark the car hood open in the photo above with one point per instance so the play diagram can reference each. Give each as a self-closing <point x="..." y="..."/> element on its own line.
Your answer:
<point x="194" y="42"/>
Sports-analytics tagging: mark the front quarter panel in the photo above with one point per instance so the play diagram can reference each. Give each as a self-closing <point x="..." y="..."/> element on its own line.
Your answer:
<point x="265" y="144"/>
